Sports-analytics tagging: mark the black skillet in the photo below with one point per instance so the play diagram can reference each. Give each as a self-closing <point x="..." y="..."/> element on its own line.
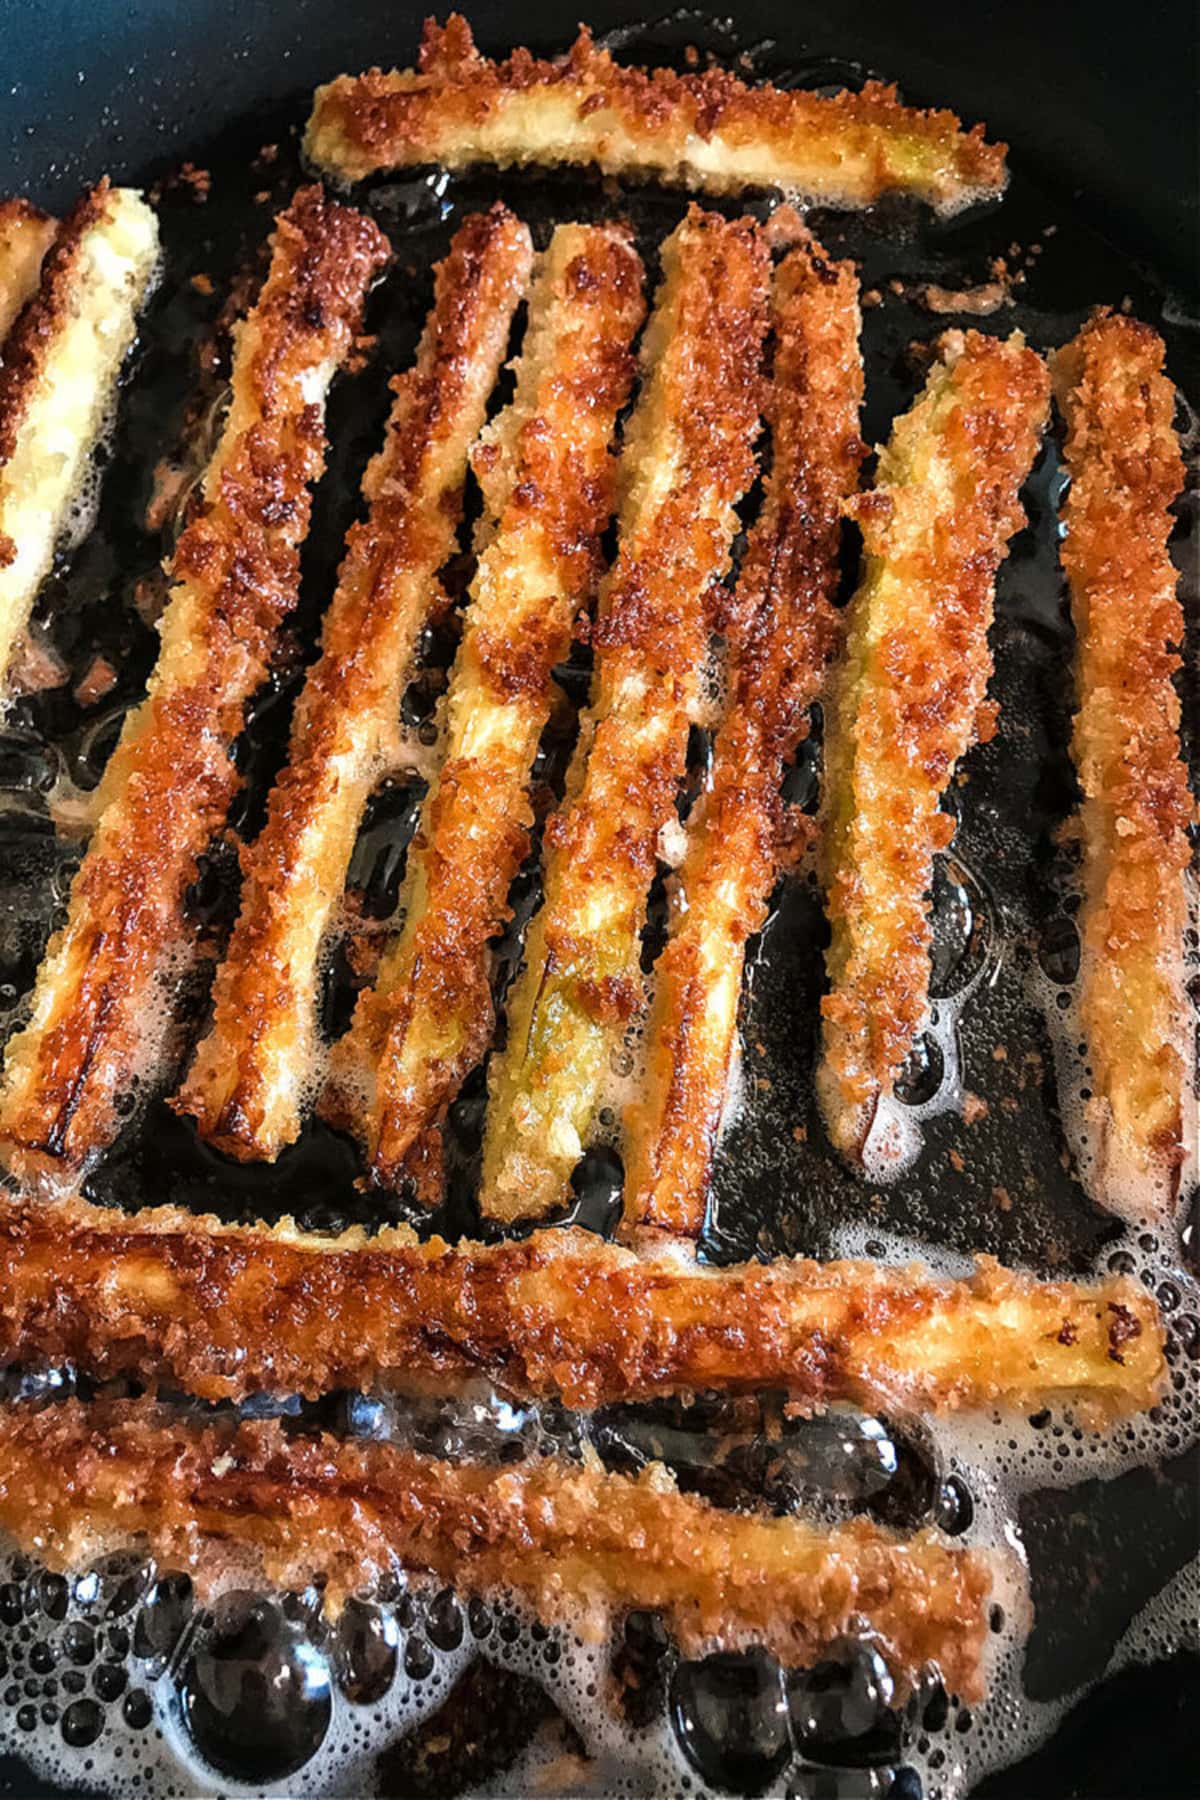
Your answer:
<point x="1097" y="100"/>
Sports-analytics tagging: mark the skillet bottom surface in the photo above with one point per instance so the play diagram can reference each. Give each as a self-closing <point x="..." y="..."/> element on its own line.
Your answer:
<point x="118" y="1682"/>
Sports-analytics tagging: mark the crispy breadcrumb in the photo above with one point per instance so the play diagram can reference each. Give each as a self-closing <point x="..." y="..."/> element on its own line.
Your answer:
<point x="908" y="702"/>
<point x="102" y="1002"/>
<point x="248" y="1082"/>
<point x="685" y="462"/>
<point x="58" y="378"/>
<point x="226" y="1311"/>
<point x="1123" y="457"/>
<point x="578" y="1544"/>
<point x="546" y="470"/>
<point x="26" y="233"/>
<point x="707" y="131"/>
<point x="782" y="631"/>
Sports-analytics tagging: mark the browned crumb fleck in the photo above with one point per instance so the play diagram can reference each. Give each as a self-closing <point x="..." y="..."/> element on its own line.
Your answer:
<point x="800" y="1133"/>
<point x="1002" y="1199"/>
<point x="986" y="298"/>
<point x="166" y="485"/>
<point x="974" y="1107"/>
<point x="149" y="597"/>
<point x="35" y="666"/>
<point x="999" y="1053"/>
<point x="202" y="284"/>
<point x="198" y="180"/>
<point x="97" y="680"/>
<point x="957" y="1161"/>
<point x="871" y="299"/>
<point x="785" y="227"/>
<point x="895" y="285"/>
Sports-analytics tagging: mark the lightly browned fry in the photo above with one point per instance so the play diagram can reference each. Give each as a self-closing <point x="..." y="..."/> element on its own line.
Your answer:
<point x="255" y="1067"/>
<point x="226" y="1311"/>
<point x="782" y="631"/>
<point x="547" y="473"/>
<point x="1123" y="457"/>
<point x="907" y="702"/>
<point x="58" y="372"/>
<point x="26" y="233"/>
<point x="706" y="131"/>
<point x="685" y="462"/>
<point x="578" y="1544"/>
<point x="102" y="1000"/>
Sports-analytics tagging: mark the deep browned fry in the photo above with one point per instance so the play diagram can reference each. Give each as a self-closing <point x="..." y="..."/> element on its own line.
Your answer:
<point x="102" y="999"/>
<point x="26" y="233"/>
<point x="1122" y="454"/>
<point x="575" y="1543"/>
<point x="907" y="702"/>
<point x="225" y="1311"/>
<point x="255" y="1068"/>
<point x="708" y="131"/>
<point x="782" y="630"/>
<point x="547" y="473"/>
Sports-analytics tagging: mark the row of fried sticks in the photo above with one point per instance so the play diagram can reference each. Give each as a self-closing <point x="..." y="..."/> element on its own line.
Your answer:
<point x="225" y="1312"/>
<point x="228" y="1311"/>
<point x="907" y="699"/>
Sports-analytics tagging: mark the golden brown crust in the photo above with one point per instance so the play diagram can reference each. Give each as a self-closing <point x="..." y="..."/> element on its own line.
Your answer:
<point x="707" y="131"/>
<point x="907" y="700"/>
<point x="28" y="342"/>
<point x="58" y="374"/>
<point x="576" y="1543"/>
<point x="227" y="1311"/>
<point x="427" y="1021"/>
<point x="26" y="233"/>
<point x="782" y="631"/>
<point x="99" y="1006"/>
<point x="249" y="1077"/>
<point x="1123" y="457"/>
<point x="685" y="462"/>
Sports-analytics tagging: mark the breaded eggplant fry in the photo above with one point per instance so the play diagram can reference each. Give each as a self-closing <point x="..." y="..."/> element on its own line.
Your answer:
<point x="685" y="463"/>
<point x="427" y="1021"/>
<point x="58" y="378"/>
<point x="254" y="1068"/>
<point x="227" y="1311"/>
<point x="1122" y="454"/>
<point x="707" y="131"/>
<point x="908" y="701"/>
<point x="783" y="630"/>
<point x="26" y="233"/>
<point x="579" y="1545"/>
<point x="103" y="999"/>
